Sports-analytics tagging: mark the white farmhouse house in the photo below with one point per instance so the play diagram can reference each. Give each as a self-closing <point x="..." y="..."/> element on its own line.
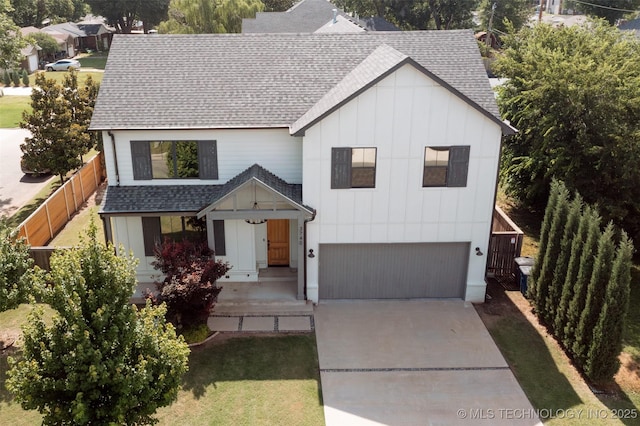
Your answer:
<point x="365" y="161"/>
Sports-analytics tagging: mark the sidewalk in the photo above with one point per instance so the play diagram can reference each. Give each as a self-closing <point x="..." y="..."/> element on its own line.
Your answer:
<point x="16" y="91"/>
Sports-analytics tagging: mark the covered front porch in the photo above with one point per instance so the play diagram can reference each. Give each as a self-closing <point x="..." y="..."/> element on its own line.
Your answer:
<point x="263" y="221"/>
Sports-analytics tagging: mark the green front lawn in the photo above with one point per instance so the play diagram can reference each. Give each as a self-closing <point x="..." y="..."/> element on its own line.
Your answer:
<point x="11" y="108"/>
<point x="255" y="380"/>
<point x="58" y="76"/>
<point x="93" y="60"/>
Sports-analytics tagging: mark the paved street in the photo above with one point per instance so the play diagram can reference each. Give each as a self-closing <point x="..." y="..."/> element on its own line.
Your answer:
<point x="16" y="189"/>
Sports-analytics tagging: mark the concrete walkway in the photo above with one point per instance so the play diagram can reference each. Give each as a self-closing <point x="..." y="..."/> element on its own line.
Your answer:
<point x="413" y="363"/>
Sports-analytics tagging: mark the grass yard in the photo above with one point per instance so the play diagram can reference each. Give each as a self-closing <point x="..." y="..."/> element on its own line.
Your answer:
<point x="58" y="76"/>
<point x="250" y="381"/>
<point x="11" y="108"/>
<point x="254" y="380"/>
<point x="96" y="60"/>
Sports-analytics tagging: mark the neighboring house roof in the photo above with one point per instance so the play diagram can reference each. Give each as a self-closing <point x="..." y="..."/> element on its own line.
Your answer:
<point x="209" y="81"/>
<point x="308" y="16"/>
<point x="340" y="25"/>
<point x="30" y="49"/>
<point x="93" y="29"/>
<point x="190" y="198"/>
<point x="61" y="38"/>
<point x="66" y="28"/>
<point x="378" y="23"/>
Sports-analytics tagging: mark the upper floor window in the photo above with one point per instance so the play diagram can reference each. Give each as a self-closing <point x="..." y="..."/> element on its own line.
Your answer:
<point x="353" y="168"/>
<point x="174" y="160"/>
<point x="445" y="166"/>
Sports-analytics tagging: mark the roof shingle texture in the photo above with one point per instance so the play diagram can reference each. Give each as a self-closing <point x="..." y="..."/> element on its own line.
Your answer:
<point x="189" y="198"/>
<point x="260" y="80"/>
<point x="304" y="17"/>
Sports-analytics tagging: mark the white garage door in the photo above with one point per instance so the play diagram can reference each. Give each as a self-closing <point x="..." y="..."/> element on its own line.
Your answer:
<point x="393" y="271"/>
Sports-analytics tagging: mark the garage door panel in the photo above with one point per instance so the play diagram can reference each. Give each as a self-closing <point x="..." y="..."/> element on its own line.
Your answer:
<point x="393" y="271"/>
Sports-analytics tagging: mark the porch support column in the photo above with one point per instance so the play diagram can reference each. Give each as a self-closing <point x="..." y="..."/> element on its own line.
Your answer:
<point x="301" y="259"/>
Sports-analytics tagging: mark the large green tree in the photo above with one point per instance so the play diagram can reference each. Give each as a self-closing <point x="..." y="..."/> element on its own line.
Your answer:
<point x="416" y="15"/>
<point x="10" y="40"/>
<point x="102" y="361"/>
<point x="46" y="42"/>
<point x="123" y="14"/>
<point x="35" y="12"/>
<point x="58" y="123"/>
<point x="574" y="95"/>
<point x="18" y="279"/>
<point x="208" y="17"/>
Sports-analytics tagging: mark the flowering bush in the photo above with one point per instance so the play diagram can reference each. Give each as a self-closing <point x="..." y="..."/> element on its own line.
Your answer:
<point x="189" y="288"/>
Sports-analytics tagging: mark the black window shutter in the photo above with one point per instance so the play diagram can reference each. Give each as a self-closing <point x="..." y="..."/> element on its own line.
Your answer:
<point x="151" y="234"/>
<point x="218" y="237"/>
<point x="208" y="159"/>
<point x="141" y="159"/>
<point x="458" y="166"/>
<point x="340" y="168"/>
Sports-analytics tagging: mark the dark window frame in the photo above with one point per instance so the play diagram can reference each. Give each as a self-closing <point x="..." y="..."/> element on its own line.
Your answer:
<point x="143" y="167"/>
<point x="152" y="234"/>
<point x="456" y="170"/>
<point x="342" y="168"/>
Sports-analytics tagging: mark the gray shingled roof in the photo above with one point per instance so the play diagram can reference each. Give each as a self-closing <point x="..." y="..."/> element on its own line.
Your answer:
<point x="381" y="61"/>
<point x="189" y="198"/>
<point x="304" y="17"/>
<point x="260" y="80"/>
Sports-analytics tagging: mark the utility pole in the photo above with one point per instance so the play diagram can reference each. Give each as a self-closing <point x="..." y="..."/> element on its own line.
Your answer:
<point x="487" y="39"/>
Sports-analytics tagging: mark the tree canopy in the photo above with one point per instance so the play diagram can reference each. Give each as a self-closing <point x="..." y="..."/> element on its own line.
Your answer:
<point x="18" y="279"/>
<point x="123" y="14"/>
<point x="45" y="41"/>
<point x="416" y="15"/>
<point x="58" y="123"/>
<point x="10" y="41"/>
<point x="574" y="95"/>
<point x="208" y="17"/>
<point x="101" y="361"/>
<point x="35" y="12"/>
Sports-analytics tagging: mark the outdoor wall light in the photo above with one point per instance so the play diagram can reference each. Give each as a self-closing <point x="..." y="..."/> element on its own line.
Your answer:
<point x="478" y="251"/>
<point x="311" y="255"/>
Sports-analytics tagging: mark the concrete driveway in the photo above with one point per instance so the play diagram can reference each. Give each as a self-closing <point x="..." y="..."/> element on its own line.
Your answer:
<point x="427" y="362"/>
<point x="16" y="188"/>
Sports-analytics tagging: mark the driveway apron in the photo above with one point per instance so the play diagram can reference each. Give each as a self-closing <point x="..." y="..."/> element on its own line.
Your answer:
<point x="419" y="362"/>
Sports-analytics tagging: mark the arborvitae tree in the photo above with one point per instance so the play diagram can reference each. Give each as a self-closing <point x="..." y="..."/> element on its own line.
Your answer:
<point x="602" y="359"/>
<point x="101" y="361"/>
<point x="532" y="287"/>
<point x="6" y="78"/>
<point x="564" y="256"/>
<point x="588" y="253"/>
<point x="25" y="78"/>
<point x="15" y="77"/>
<point x="571" y="278"/>
<point x="552" y="250"/>
<point x="595" y="296"/>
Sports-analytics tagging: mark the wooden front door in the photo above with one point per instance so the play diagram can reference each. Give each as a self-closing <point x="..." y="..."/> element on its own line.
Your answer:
<point x="278" y="242"/>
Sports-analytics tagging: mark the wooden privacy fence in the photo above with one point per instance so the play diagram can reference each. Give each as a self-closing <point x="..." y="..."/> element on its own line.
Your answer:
<point x="504" y="246"/>
<point x="43" y="224"/>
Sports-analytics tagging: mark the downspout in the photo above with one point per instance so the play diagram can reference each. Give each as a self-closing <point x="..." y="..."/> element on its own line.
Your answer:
<point x="313" y="216"/>
<point x="115" y="156"/>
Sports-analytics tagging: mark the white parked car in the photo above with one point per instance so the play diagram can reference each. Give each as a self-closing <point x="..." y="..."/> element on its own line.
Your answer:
<point x="62" y="65"/>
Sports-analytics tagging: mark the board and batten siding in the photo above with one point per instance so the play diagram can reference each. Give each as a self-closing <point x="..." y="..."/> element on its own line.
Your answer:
<point x="237" y="150"/>
<point x="400" y="116"/>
